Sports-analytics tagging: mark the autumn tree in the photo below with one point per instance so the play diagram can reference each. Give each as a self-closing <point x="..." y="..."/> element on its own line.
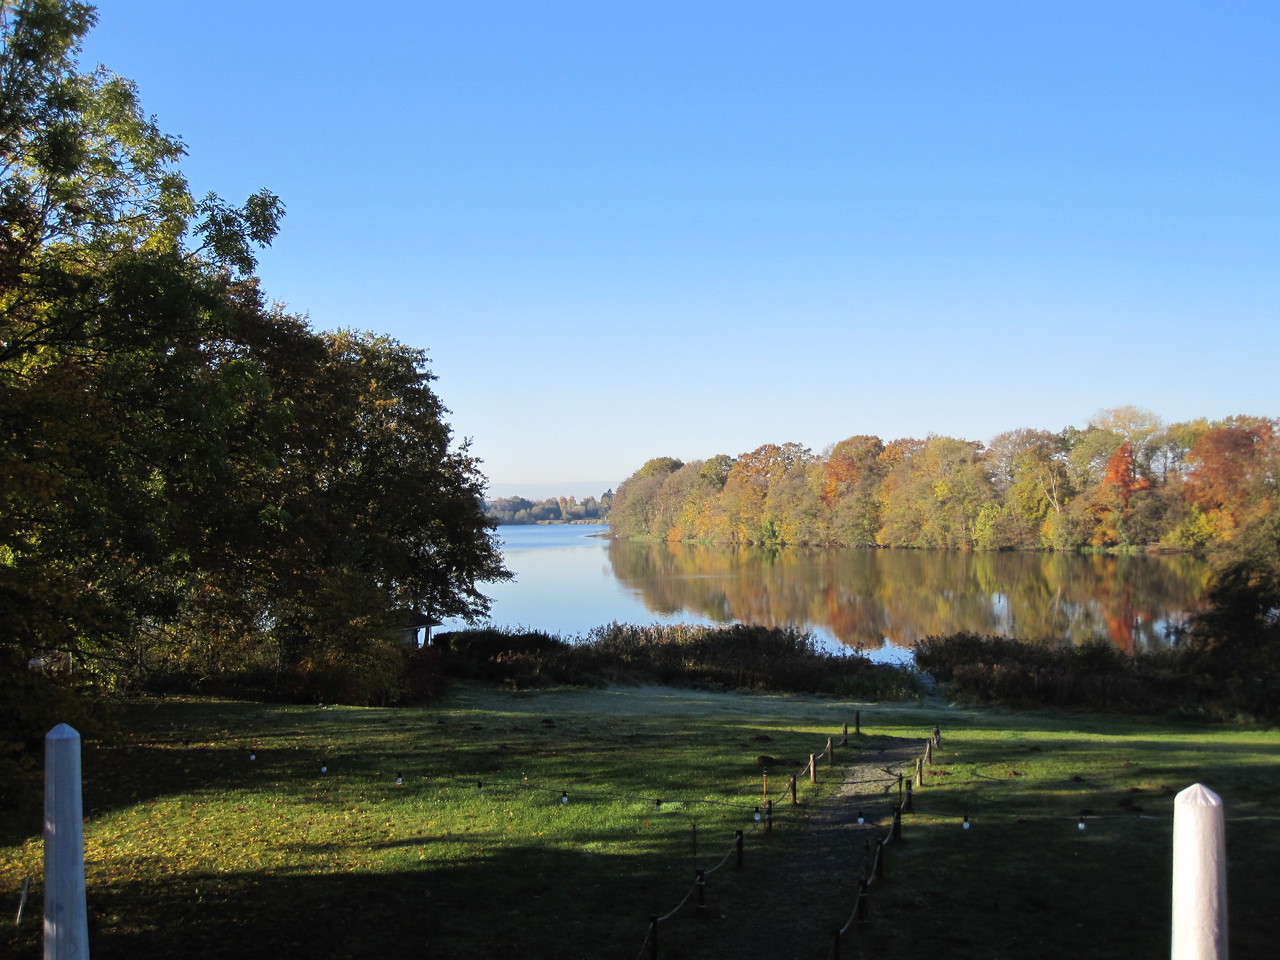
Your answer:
<point x="1226" y="481"/>
<point x="935" y="496"/>
<point x="1136" y="426"/>
<point x="852" y="472"/>
<point x="764" y="496"/>
<point x="1124" y="481"/>
<point x="1109" y="505"/>
<point x="1031" y="487"/>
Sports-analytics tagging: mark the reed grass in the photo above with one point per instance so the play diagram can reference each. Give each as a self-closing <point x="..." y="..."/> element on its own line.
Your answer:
<point x="737" y="657"/>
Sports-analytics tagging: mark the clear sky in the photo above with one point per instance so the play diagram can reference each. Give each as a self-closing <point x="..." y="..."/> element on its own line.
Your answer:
<point x="634" y="229"/>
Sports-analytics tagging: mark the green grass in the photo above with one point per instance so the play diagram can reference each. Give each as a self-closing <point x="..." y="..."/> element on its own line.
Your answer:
<point x="268" y="857"/>
<point x="1026" y="881"/>
<point x="194" y="848"/>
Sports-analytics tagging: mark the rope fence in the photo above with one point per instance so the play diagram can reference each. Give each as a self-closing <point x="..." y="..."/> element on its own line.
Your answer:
<point x="874" y="862"/>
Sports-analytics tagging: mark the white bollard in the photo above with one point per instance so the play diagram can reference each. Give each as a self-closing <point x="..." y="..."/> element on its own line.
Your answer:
<point x="1199" y="876"/>
<point x="66" y="925"/>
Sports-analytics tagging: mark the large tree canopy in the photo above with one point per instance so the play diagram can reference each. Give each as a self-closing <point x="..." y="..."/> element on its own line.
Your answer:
<point x="189" y="479"/>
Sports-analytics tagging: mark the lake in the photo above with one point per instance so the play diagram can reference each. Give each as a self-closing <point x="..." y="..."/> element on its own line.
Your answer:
<point x="571" y="578"/>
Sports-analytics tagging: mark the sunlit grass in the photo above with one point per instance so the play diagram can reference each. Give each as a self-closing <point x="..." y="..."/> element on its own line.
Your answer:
<point x="224" y="804"/>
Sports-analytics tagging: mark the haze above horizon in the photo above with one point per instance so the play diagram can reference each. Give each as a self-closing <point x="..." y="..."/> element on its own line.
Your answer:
<point x="633" y="230"/>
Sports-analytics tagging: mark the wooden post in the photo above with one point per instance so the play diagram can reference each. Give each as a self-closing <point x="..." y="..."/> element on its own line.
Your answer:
<point x="897" y="825"/>
<point x="22" y="900"/>
<point x="737" y="844"/>
<point x="857" y="723"/>
<point x="864" y="895"/>
<point x="768" y="816"/>
<point x="792" y="785"/>
<point x="928" y="751"/>
<point x="919" y="771"/>
<point x="66" y="923"/>
<point x="831" y="753"/>
<point x="1199" y="876"/>
<point x="700" y="882"/>
<point x="937" y="736"/>
<point x="844" y="739"/>
<point x="908" y="805"/>
<point x="813" y="769"/>
<point x="653" y="936"/>
<point x="766" y="783"/>
<point x="899" y="790"/>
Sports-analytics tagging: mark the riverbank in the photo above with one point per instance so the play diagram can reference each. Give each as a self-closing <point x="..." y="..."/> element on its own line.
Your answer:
<point x="529" y="823"/>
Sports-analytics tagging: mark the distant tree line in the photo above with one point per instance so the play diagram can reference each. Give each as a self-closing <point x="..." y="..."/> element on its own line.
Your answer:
<point x="1126" y="480"/>
<point x="518" y="510"/>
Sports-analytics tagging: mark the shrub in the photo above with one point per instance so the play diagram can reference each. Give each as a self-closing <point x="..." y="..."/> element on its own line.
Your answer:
<point x="741" y="657"/>
<point x="1215" y="682"/>
<point x="370" y="672"/>
<point x="424" y="674"/>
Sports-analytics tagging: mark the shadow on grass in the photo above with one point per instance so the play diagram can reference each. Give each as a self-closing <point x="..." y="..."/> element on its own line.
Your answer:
<point x="1014" y="887"/>
<point x="517" y="902"/>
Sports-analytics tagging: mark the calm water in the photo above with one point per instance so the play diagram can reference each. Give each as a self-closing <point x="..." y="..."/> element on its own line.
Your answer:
<point x="570" y="579"/>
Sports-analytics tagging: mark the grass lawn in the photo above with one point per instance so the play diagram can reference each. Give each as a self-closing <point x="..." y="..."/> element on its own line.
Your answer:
<point x="1025" y="880"/>
<point x="194" y="848"/>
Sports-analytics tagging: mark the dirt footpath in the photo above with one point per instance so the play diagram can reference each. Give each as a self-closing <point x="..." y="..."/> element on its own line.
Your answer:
<point x="814" y="879"/>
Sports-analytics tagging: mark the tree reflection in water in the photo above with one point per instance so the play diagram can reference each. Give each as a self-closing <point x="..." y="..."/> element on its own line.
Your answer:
<point x="866" y="599"/>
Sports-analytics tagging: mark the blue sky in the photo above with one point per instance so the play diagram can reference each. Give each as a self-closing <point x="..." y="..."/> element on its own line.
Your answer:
<point x="634" y="229"/>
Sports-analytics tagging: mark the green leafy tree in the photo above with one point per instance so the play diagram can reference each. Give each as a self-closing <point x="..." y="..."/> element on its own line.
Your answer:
<point x="633" y="512"/>
<point x="175" y="457"/>
<point x="113" y="298"/>
<point x="1031" y="486"/>
<point x="378" y="513"/>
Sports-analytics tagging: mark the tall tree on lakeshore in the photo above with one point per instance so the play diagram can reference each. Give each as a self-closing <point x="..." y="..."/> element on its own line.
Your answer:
<point x="633" y="513"/>
<point x="116" y="290"/>
<point x="174" y="455"/>
<point x="852" y="472"/>
<point x="1227" y="478"/>
<point x="764" y="494"/>
<point x="936" y="495"/>
<point x="1030" y="486"/>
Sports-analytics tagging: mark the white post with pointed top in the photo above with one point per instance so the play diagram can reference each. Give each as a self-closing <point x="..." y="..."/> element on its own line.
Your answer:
<point x="66" y="926"/>
<point x="1199" y="876"/>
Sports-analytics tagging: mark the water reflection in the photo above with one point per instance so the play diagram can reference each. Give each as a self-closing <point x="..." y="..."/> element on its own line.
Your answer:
<point x="869" y="598"/>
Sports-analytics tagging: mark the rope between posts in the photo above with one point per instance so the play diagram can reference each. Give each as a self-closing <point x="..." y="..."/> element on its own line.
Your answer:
<point x="727" y="856"/>
<point x="679" y="905"/>
<point x="759" y="821"/>
<point x="848" y="924"/>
